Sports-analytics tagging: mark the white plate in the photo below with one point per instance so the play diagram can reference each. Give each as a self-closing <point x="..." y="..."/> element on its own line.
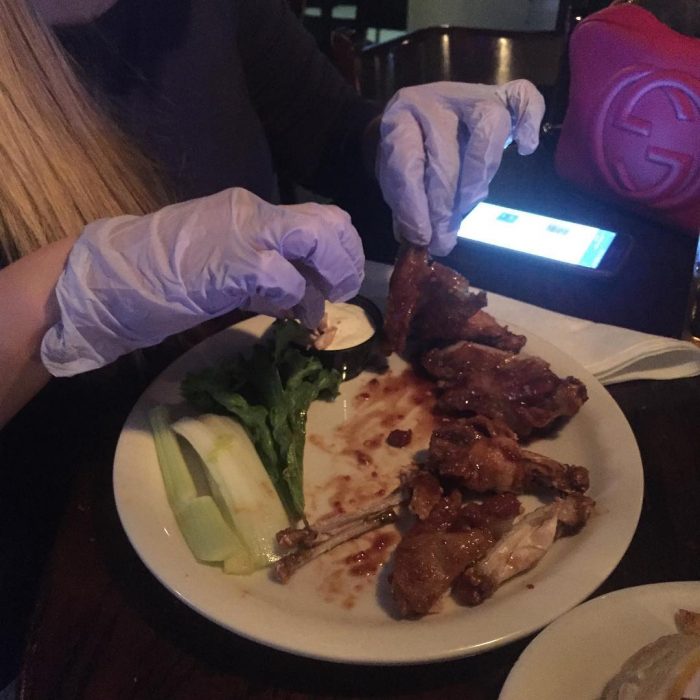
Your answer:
<point x="322" y="612"/>
<point x="579" y="653"/>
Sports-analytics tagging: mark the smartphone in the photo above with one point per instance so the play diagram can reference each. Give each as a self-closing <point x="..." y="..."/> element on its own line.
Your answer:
<point x="575" y="246"/>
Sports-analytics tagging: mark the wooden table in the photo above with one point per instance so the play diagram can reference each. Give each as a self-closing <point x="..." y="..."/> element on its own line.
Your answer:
<point x="105" y="627"/>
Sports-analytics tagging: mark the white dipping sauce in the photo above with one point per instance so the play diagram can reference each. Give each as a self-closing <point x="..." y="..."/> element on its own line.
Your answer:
<point x="351" y="323"/>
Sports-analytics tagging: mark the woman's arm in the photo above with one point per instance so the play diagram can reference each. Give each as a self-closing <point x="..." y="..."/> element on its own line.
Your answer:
<point x="27" y="309"/>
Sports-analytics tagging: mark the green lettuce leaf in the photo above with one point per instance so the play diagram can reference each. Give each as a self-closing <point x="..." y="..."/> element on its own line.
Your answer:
<point x="269" y="392"/>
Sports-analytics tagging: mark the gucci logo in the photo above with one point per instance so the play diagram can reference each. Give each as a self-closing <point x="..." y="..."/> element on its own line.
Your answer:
<point x="647" y="140"/>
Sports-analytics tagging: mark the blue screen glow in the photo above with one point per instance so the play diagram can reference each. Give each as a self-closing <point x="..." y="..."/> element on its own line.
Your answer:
<point x="544" y="236"/>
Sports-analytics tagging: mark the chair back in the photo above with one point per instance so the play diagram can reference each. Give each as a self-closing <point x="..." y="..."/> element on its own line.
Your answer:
<point x="462" y="54"/>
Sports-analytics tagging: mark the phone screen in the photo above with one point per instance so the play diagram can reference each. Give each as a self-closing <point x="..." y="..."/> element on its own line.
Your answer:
<point x="545" y="236"/>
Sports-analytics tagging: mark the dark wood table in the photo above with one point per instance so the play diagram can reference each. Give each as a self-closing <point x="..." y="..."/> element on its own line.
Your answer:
<point x="103" y="627"/>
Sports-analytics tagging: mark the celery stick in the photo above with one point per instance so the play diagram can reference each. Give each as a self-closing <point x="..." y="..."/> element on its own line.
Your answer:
<point x="201" y="523"/>
<point x="206" y="532"/>
<point x="179" y="485"/>
<point x="239" y="563"/>
<point x="240" y="480"/>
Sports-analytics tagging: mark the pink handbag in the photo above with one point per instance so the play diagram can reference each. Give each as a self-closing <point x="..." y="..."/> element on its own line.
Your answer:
<point x="632" y="128"/>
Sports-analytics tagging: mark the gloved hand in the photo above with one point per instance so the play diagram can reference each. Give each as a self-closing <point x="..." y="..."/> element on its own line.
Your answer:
<point x="132" y="281"/>
<point x="440" y="146"/>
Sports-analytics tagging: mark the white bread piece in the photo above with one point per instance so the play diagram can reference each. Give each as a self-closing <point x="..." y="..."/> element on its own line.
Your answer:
<point x="662" y="670"/>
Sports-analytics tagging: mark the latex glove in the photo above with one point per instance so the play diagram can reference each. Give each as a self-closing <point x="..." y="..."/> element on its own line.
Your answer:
<point x="440" y="146"/>
<point x="132" y="281"/>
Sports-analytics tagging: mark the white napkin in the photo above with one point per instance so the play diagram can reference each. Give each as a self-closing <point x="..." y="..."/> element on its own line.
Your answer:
<point x="610" y="353"/>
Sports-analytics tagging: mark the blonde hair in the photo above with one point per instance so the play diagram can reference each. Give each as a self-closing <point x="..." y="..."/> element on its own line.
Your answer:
<point x="63" y="162"/>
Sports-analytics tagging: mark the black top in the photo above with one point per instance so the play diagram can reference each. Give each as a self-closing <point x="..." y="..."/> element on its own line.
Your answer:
<point x="224" y="93"/>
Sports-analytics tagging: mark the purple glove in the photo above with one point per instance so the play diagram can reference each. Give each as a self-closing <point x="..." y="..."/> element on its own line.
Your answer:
<point x="132" y="281"/>
<point x="441" y="144"/>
